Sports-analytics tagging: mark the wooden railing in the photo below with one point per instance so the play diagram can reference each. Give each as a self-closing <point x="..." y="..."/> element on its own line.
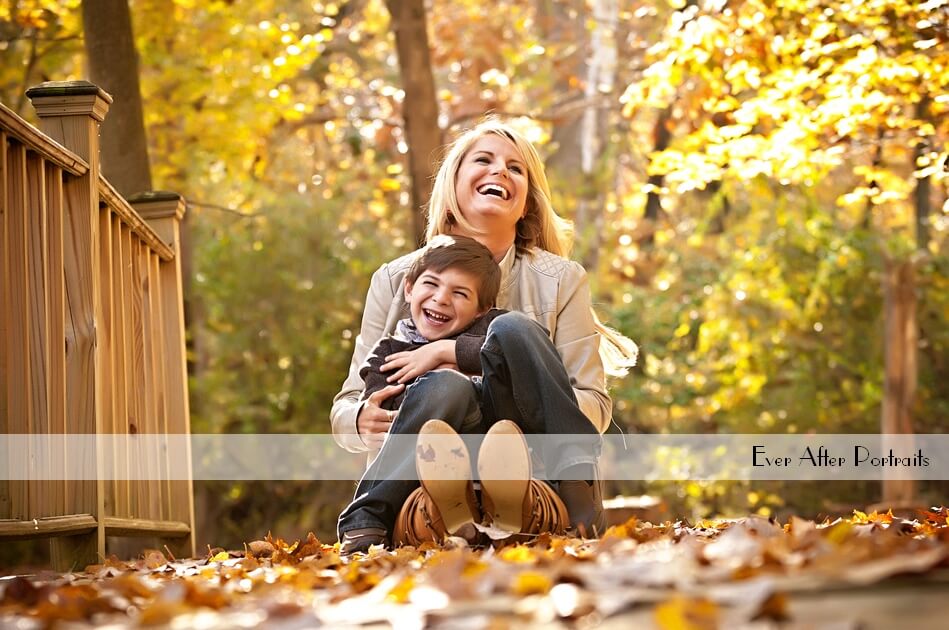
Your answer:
<point x="92" y="338"/>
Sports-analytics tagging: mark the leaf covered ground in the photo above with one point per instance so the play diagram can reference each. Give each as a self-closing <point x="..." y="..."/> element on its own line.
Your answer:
<point x="722" y="573"/>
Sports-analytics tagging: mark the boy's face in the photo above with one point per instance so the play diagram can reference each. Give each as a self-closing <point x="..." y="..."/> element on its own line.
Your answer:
<point x="443" y="303"/>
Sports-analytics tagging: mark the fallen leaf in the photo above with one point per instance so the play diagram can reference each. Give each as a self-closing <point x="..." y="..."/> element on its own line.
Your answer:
<point x="681" y="613"/>
<point x="493" y="532"/>
<point x="260" y="548"/>
<point x="531" y="583"/>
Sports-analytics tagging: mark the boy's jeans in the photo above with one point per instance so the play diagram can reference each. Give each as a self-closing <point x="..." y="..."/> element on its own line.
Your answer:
<point x="523" y="379"/>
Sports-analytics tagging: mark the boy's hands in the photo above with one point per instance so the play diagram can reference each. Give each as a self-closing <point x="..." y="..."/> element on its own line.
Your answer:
<point x="413" y="363"/>
<point x="373" y="422"/>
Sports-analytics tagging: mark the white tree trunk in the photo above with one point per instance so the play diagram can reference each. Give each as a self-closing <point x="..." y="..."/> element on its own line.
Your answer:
<point x="594" y="126"/>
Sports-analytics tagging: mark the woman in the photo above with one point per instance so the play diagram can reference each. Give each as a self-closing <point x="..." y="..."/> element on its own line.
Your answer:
<point x="542" y="362"/>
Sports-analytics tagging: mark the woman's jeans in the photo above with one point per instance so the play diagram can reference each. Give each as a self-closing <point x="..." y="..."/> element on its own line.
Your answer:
<point x="523" y="379"/>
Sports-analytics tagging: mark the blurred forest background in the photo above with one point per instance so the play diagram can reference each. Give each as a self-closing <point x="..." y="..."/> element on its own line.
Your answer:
<point x="759" y="189"/>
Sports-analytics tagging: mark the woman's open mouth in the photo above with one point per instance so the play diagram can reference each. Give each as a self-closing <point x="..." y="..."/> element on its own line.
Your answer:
<point x="494" y="190"/>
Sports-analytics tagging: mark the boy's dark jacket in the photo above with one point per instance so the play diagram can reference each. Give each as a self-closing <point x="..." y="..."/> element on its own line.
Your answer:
<point x="467" y="353"/>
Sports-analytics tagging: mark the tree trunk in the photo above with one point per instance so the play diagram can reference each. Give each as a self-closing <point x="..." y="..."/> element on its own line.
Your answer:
<point x="601" y="76"/>
<point x="581" y="136"/>
<point x="720" y="204"/>
<point x="899" y="303"/>
<point x="113" y="65"/>
<point x="876" y="163"/>
<point x="899" y="385"/>
<point x="560" y="22"/>
<point x="900" y="343"/>
<point x="661" y="138"/>
<point x="921" y="196"/>
<point x="420" y="107"/>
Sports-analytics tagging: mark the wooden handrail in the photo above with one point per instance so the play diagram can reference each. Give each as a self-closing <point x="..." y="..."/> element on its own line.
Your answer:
<point x="143" y="527"/>
<point x="121" y="207"/>
<point x="79" y="523"/>
<point x="51" y="150"/>
<point x="47" y="526"/>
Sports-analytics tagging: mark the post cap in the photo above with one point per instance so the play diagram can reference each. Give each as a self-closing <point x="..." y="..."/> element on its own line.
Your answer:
<point x="69" y="98"/>
<point x="158" y="204"/>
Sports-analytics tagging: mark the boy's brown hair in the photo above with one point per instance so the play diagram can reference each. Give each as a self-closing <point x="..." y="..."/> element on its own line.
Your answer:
<point x="448" y="251"/>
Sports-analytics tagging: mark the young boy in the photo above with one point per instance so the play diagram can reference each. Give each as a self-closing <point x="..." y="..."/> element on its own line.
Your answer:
<point x="450" y="289"/>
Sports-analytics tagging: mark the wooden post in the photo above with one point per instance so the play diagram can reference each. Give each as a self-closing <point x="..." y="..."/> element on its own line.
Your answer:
<point x="57" y="327"/>
<point x="35" y="213"/>
<point x="16" y="302"/>
<point x="70" y="113"/>
<point x="164" y="212"/>
<point x="105" y="328"/>
<point x="6" y="511"/>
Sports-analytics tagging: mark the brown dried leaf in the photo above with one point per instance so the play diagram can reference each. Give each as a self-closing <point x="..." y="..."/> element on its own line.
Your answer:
<point x="160" y="612"/>
<point x="74" y="602"/>
<point x="22" y="592"/>
<point x="774" y="608"/>
<point x="310" y="547"/>
<point x="260" y="549"/>
<point x="154" y="559"/>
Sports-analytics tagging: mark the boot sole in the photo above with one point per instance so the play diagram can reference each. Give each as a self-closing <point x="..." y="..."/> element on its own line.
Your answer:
<point x="504" y="467"/>
<point x="444" y="469"/>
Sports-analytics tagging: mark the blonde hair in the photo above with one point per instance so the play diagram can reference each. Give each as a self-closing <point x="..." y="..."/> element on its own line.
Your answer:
<point x="541" y="226"/>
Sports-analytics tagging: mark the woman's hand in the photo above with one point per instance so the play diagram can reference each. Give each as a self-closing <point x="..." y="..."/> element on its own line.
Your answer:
<point x="374" y="422"/>
<point x="413" y="363"/>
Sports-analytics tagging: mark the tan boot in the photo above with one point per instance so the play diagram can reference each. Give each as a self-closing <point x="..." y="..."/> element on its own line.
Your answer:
<point x="541" y="511"/>
<point x="419" y="521"/>
<point x="547" y="512"/>
<point x="446" y="503"/>
<point x="512" y="500"/>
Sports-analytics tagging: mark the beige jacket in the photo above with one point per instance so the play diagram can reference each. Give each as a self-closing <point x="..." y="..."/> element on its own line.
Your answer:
<point x="547" y="288"/>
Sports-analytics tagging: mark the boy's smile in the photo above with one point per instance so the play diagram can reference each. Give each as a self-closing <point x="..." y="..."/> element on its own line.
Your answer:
<point x="443" y="303"/>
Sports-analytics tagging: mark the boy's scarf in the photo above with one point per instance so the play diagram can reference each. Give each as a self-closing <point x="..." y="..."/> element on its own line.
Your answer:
<point x="405" y="330"/>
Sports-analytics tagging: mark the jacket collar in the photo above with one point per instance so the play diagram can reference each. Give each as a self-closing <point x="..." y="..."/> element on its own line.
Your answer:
<point x="507" y="274"/>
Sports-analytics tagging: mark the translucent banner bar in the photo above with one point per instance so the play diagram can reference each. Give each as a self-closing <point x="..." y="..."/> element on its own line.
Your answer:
<point x="632" y="457"/>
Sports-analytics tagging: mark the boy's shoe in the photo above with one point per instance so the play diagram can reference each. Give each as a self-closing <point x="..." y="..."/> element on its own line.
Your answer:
<point x="359" y="540"/>
<point x="444" y="469"/>
<point x="584" y="503"/>
<point x="512" y="500"/>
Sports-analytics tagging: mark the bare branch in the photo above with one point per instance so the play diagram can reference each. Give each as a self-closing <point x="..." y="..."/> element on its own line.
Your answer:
<point x="551" y="115"/>
<point x="28" y="71"/>
<point x="214" y="206"/>
<point x="321" y="119"/>
<point x="34" y="36"/>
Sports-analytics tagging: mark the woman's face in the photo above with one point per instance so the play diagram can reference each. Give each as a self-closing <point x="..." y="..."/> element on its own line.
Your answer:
<point x="491" y="185"/>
